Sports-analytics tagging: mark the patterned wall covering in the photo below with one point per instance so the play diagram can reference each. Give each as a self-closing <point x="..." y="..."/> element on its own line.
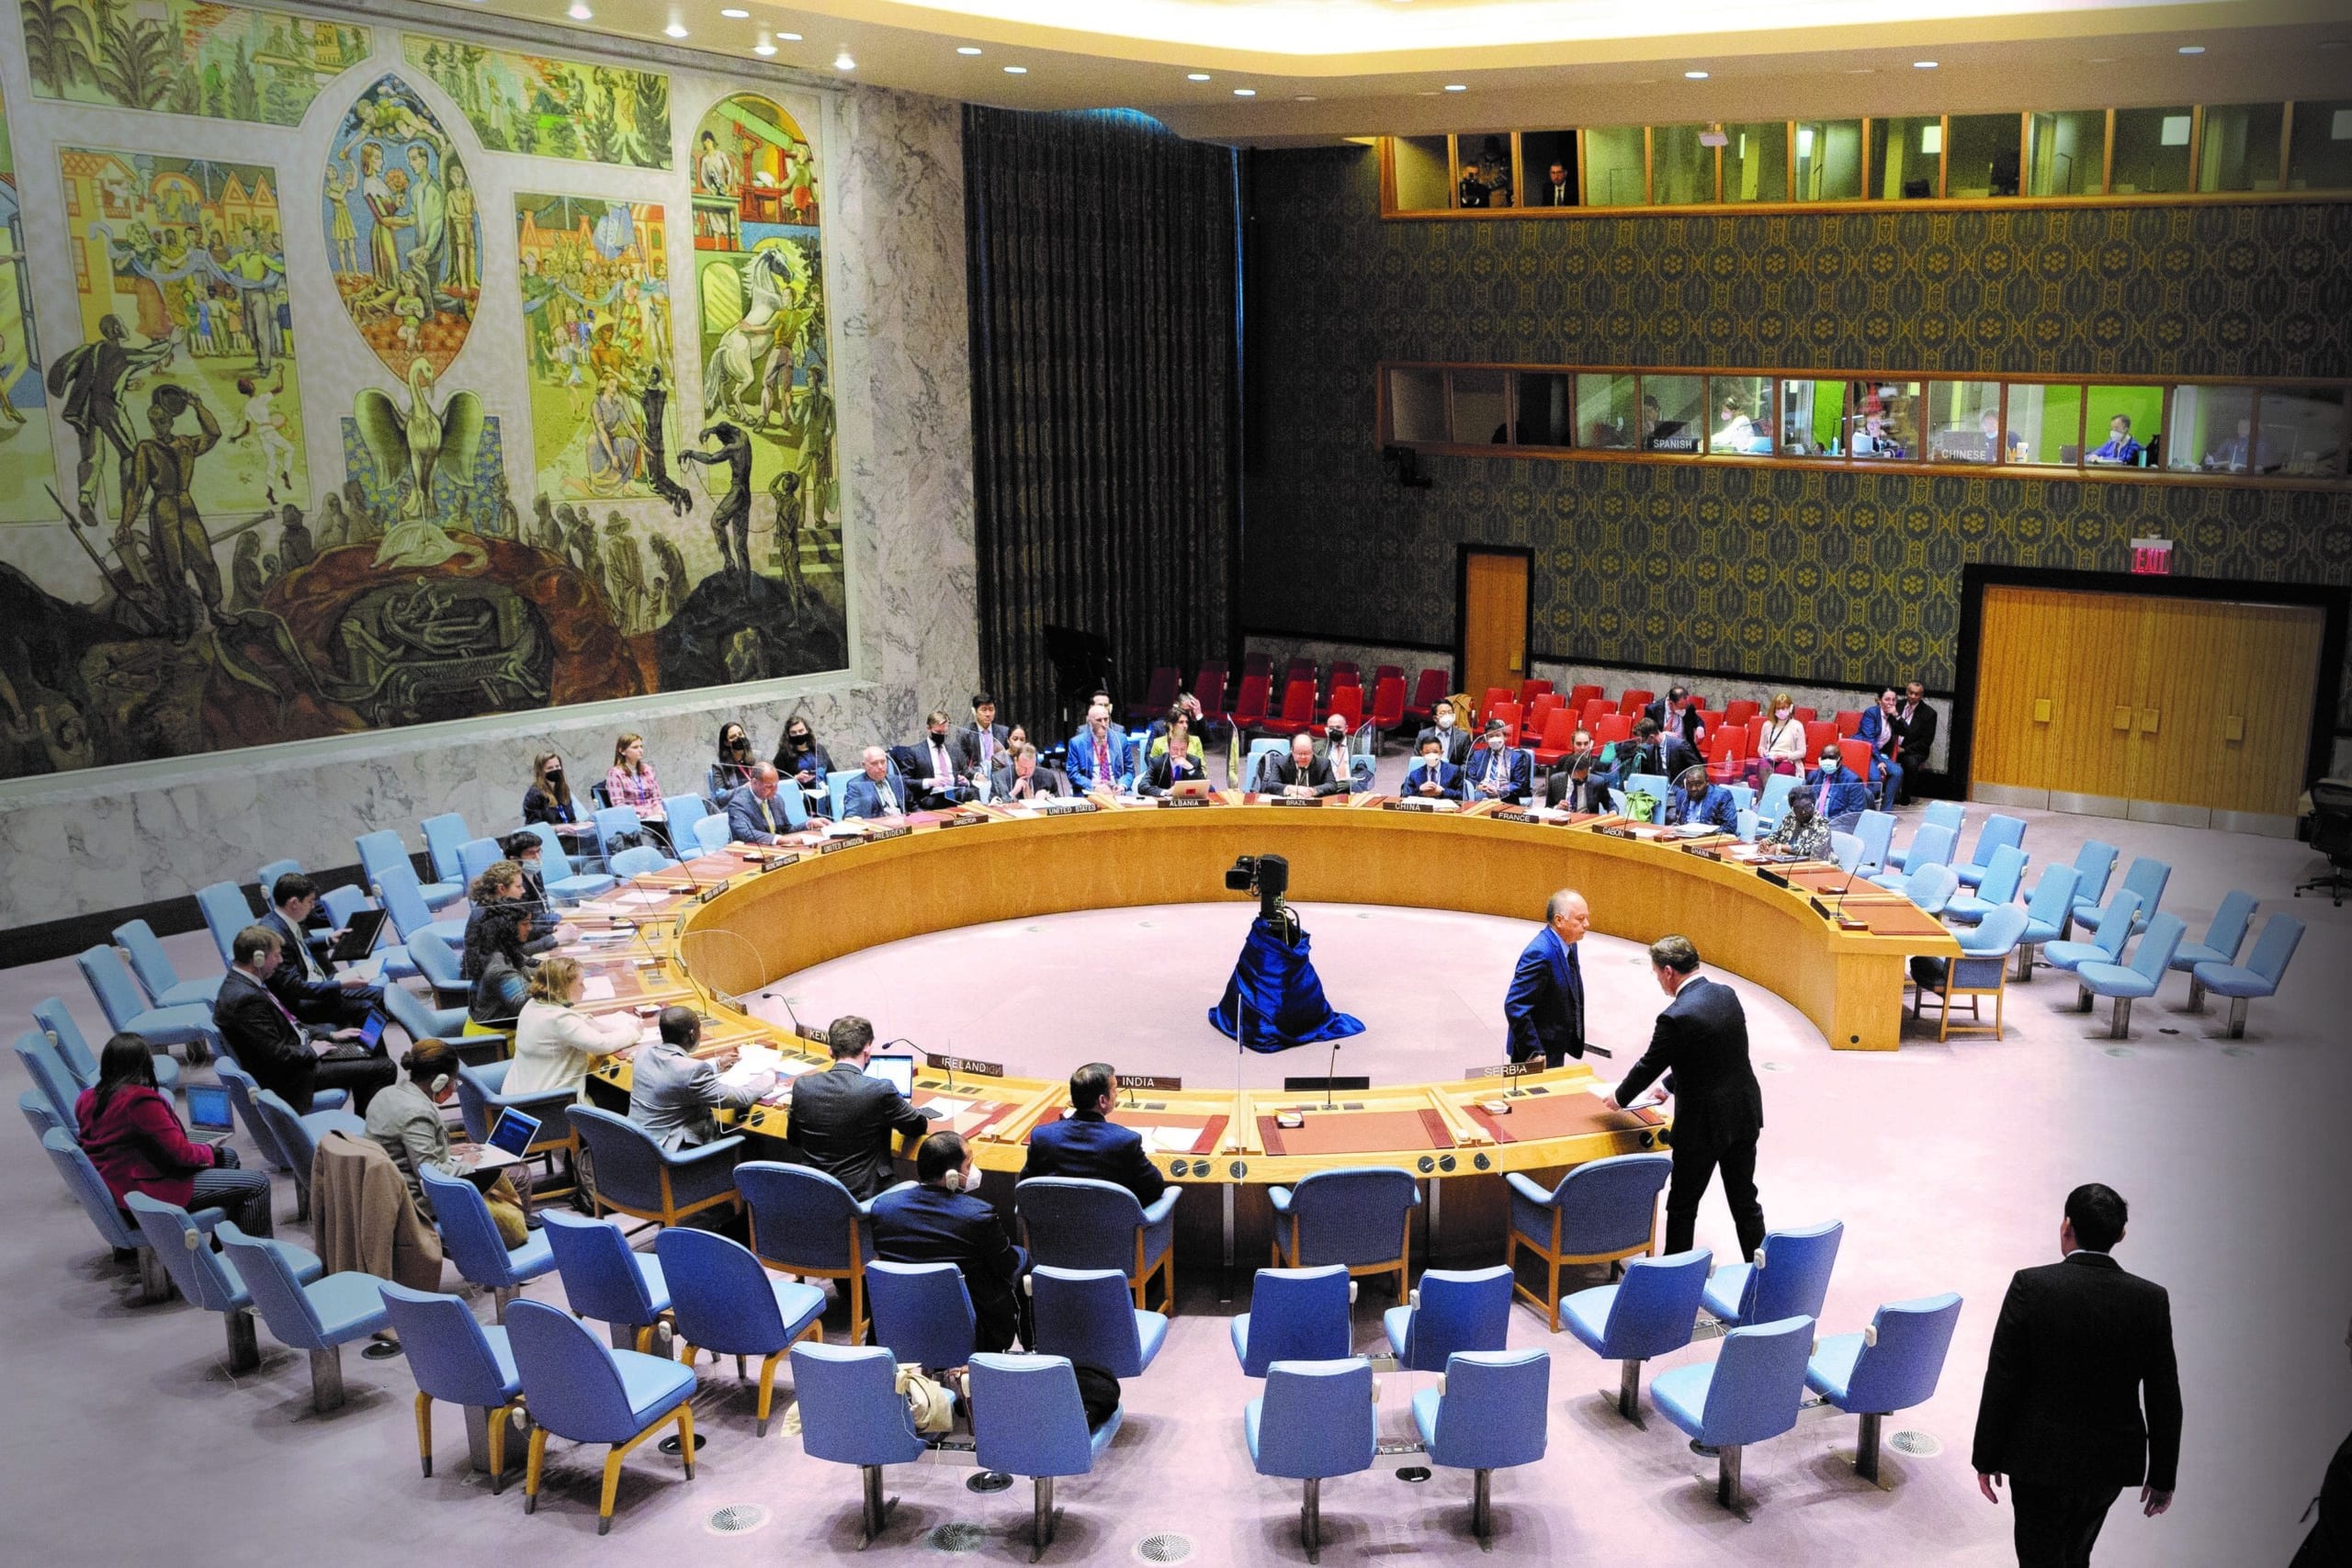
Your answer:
<point x="1804" y="574"/>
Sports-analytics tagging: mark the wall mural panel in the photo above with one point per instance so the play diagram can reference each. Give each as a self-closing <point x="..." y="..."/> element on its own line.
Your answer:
<point x="190" y="57"/>
<point x="551" y="108"/>
<point x="214" y="549"/>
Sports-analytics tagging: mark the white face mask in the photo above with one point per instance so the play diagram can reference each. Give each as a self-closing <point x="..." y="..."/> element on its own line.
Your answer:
<point x="1782" y="713"/>
<point x="1445" y="721"/>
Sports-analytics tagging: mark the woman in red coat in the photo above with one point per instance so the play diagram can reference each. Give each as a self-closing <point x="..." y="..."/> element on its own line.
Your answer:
<point x="134" y="1137"/>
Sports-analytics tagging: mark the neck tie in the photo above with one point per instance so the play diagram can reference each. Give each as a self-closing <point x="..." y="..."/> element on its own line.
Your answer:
<point x="765" y="816"/>
<point x="1102" y="761"/>
<point x="988" y="748"/>
<point x="281" y="1009"/>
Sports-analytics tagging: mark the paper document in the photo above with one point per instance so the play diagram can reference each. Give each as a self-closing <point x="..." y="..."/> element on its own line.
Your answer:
<point x="1169" y="1140"/>
<point x="947" y="1107"/>
<point x="642" y="898"/>
<point x="596" y="989"/>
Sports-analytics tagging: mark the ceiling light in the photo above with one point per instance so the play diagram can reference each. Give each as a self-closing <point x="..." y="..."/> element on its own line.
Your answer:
<point x="1714" y="136"/>
<point x="1245" y="92"/>
<point x="1694" y="75"/>
<point x="1196" y="76"/>
<point x="734" y="13"/>
<point x="1923" y="65"/>
<point x="675" y="29"/>
<point x="1305" y="98"/>
<point x="842" y="62"/>
<point x="580" y="11"/>
<point x="1016" y="71"/>
<point x="788" y="38"/>
<point x="2192" y="49"/>
<point x="1457" y="86"/>
<point x="763" y="47"/>
<point x="965" y="49"/>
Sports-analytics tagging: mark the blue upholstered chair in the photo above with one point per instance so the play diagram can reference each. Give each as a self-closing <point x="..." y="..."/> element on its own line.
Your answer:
<point x="1451" y="1310"/>
<point x="1296" y="1314"/>
<point x="297" y="1138"/>
<point x="585" y="1391"/>
<point x="1876" y="830"/>
<point x="2047" y="914"/>
<point x="1078" y="1222"/>
<point x="189" y="1025"/>
<point x="725" y="1303"/>
<point x="1749" y="827"/>
<point x="633" y="1175"/>
<point x="1750" y="1392"/>
<point x="805" y="1224"/>
<point x="1946" y="814"/>
<point x="117" y="1230"/>
<point x="157" y="975"/>
<point x="478" y="855"/>
<point x="51" y="1079"/>
<point x="1774" y="802"/>
<point x="605" y="1278"/>
<point x="1490" y="1416"/>
<point x="460" y="1362"/>
<point x="470" y="1240"/>
<point x="639" y="860"/>
<point x="319" y="1316"/>
<point x="1995" y="885"/>
<point x="1361" y="1216"/>
<point x="1789" y="1278"/>
<point x="1087" y="1315"/>
<point x="435" y="958"/>
<point x="1930" y="887"/>
<point x="265" y="877"/>
<point x="81" y="1064"/>
<point x="40" y="1114"/>
<point x="1847" y="850"/>
<point x="381" y="850"/>
<point x="681" y="811"/>
<point x="326" y="1108"/>
<point x="1600" y="1211"/>
<point x="1649" y="1314"/>
<point x="402" y="897"/>
<point x="1893" y="1365"/>
<point x="565" y="881"/>
<point x="2126" y="983"/>
<point x="1315" y="1421"/>
<point x="2222" y="939"/>
<point x="1027" y="1419"/>
<point x="226" y="912"/>
<point x="2093" y="864"/>
<point x="483" y="1099"/>
<point x="1657" y="788"/>
<point x="836" y="791"/>
<point x="2147" y="878"/>
<point x="421" y="1020"/>
<point x="2000" y="831"/>
<point x="923" y="1312"/>
<point x="1980" y="970"/>
<point x="182" y="1243"/>
<point x="1930" y="846"/>
<point x="444" y="836"/>
<point x="617" y="827"/>
<point x="2261" y="972"/>
<point x="851" y="1413"/>
<point x="2121" y="915"/>
<point x="710" y="834"/>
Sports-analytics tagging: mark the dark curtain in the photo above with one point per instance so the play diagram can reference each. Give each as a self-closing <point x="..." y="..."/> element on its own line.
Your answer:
<point x="1105" y="396"/>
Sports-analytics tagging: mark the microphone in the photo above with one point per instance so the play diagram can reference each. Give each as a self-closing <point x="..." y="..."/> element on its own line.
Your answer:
<point x="1330" y="1070"/>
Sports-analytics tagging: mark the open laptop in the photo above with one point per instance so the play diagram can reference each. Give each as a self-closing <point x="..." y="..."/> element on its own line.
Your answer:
<point x="207" y="1107"/>
<point x="897" y="1069"/>
<point x="1191" y="789"/>
<point x="510" y="1137"/>
<point x="358" y="939"/>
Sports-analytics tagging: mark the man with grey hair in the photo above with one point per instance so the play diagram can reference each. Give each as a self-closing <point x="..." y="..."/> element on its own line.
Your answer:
<point x="754" y="815"/>
<point x="1701" y="1048"/>
<point x="1545" y="1006"/>
<point x="876" y="791"/>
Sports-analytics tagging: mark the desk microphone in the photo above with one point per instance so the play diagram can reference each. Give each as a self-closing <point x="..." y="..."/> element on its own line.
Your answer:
<point x="1330" y="1069"/>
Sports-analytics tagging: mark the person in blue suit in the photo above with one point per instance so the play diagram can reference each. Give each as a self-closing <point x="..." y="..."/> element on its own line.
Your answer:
<point x="1098" y="754"/>
<point x="1884" y="731"/>
<point x="1432" y="777"/>
<point x="1089" y="1144"/>
<point x="2119" y="446"/>
<point x="1497" y="769"/>
<point x="1698" y="800"/>
<point x="1839" y="794"/>
<point x="754" y="815"/>
<point x="941" y="1219"/>
<point x="1545" y="1006"/>
<point x="876" y="793"/>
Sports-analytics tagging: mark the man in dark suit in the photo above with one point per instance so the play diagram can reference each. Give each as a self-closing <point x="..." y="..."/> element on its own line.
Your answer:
<point x="303" y="981"/>
<point x="1302" y="772"/>
<point x="1569" y="785"/>
<point x="1699" y="1044"/>
<point x="842" y="1120"/>
<point x="1839" y="795"/>
<point x="1697" y="801"/>
<point x="1432" y="777"/>
<point x="1666" y="712"/>
<point x="1089" y="1144"/>
<point x="982" y="746"/>
<point x="942" y="1220"/>
<point x="2080" y="1347"/>
<point x="1545" y="1006"/>
<point x="1496" y="769"/>
<point x="1916" y="723"/>
<point x="1023" y="779"/>
<point x="935" y="780"/>
<point x="1451" y="738"/>
<point x="1879" y="726"/>
<point x="754" y="815"/>
<point x="875" y="793"/>
<point x="264" y="1038"/>
<point x="1557" y="189"/>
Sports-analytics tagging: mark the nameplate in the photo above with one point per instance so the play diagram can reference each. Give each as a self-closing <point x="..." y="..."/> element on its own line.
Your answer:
<point x="1146" y="1083"/>
<point x="835" y="846"/>
<point x="1617" y="833"/>
<point x="1511" y="814"/>
<point x="1424" y="806"/>
<point x="777" y="863"/>
<point x="1292" y="800"/>
<point x="962" y="820"/>
<point x="967" y="1064"/>
<point x="713" y="891"/>
<point x="1179" y="803"/>
<point x="1067" y="808"/>
<point x="900" y="831"/>
<point x="1505" y="1070"/>
<point x="1774" y="878"/>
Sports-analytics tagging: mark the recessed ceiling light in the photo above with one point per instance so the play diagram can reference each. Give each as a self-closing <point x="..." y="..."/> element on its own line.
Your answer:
<point x="842" y="62"/>
<point x="675" y="29"/>
<point x="965" y="49"/>
<point x="580" y="12"/>
<point x="1694" y="75"/>
<point x="1923" y="65"/>
<point x="1016" y="71"/>
<point x="1305" y="98"/>
<point x="734" y="13"/>
<point x="2102" y="60"/>
<point x="1457" y="86"/>
<point x="1862" y="71"/>
<point x="788" y="38"/>
<point x="2192" y="49"/>
<point x="1196" y="76"/>
<point x="1245" y="92"/>
<point x="763" y="47"/>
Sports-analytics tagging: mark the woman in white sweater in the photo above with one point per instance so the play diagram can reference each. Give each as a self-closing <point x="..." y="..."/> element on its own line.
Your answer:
<point x="1780" y="744"/>
<point x="555" y="1044"/>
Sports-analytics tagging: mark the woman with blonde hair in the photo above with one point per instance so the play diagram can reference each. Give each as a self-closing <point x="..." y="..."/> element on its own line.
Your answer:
<point x="1779" y="743"/>
<point x="555" y="1044"/>
<point x="630" y="781"/>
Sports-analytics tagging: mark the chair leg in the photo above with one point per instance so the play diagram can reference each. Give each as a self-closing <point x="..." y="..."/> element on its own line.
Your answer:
<point x="1629" y="1389"/>
<point x="301" y="1200"/>
<point x="1551" y="1291"/>
<point x="2085" y="1001"/>
<point x="425" y="1430"/>
<point x="2237" y="1017"/>
<point x="1041" y="1522"/>
<point x="612" y="1488"/>
<point x="686" y="1438"/>
<point x="498" y="1300"/>
<point x="1866" y="1448"/>
<point x="154" y="1282"/>
<point x="1727" y="1477"/>
<point x="1310" y="1520"/>
<point x="767" y="1387"/>
<point x="1481" y="1502"/>
<point x="498" y="1448"/>
<point x="878" y="1506"/>
<point x="326" y="1380"/>
<point x="244" y="1346"/>
<point x="534" y="1459"/>
<point x="2122" y="1028"/>
<point x="2196" y="993"/>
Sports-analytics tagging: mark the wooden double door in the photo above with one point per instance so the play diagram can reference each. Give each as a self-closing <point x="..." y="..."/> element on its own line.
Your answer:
<point x="2165" y="709"/>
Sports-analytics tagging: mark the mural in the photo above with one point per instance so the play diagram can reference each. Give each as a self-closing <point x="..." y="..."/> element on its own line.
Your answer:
<point x="27" y="471"/>
<point x="183" y="310"/>
<point x="403" y="229"/>
<point x="767" y="410"/>
<point x="596" y="281"/>
<point x="188" y="57"/>
<point x="551" y="108"/>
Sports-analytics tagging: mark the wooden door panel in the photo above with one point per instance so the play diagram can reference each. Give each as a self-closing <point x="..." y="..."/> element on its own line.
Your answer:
<point x="1494" y="620"/>
<point x="2214" y="663"/>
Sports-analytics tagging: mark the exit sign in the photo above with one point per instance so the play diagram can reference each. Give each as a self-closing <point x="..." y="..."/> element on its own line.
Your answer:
<point x="2152" y="557"/>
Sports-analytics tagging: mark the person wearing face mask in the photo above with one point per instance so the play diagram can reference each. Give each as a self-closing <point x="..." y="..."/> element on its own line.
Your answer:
<point x="548" y="800"/>
<point x="1802" y="829"/>
<point x="935" y="779"/>
<point x="941" y="1218"/>
<point x="1432" y="777"/>
<point x="1334" y="750"/>
<point x="1569" y="785"/>
<point x="1453" y="740"/>
<point x="732" y="770"/>
<point x="1839" y="794"/>
<point x="1497" y="770"/>
<point x="1780" y="744"/>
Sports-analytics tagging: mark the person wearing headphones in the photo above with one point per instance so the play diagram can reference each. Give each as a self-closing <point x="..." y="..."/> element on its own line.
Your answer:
<point x="942" y="1219"/>
<point x="406" y="1119"/>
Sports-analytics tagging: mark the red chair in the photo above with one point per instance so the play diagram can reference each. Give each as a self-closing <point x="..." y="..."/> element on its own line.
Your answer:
<point x="1346" y="677"/>
<point x="1209" y="686"/>
<point x="1711" y="722"/>
<point x="1754" y="746"/>
<point x="1509" y="713"/>
<point x="1250" y="709"/>
<point x="1382" y="672"/>
<point x="1539" y="713"/>
<point x="1485" y="707"/>
<point x="1346" y="702"/>
<point x="1803" y="715"/>
<point x="1579" y="695"/>
<point x="1351" y="666"/>
<point x="1158" y="695"/>
<point x="1727" y="754"/>
<point x="1848" y="721"/>
<point x="1741" y="712"/>
<point x="1857" y="756"/>
<point x="1613" y="729"/>
<point x="1591" y="709"/>
<point x="1427" y="692"/>
<point x="1298" y="669"/>
<point x="1818" y="734"/>
<point x="1633" y="702"/>
<point x="1298" y="710"/>
<point x="1558" y="739"/>
<point x="1258" y="665"/>
<point x="1388" y="704"/>
<point x="1531" y="690"/>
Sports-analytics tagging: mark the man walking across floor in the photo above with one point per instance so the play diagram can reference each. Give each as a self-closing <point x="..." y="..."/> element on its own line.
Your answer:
<point x="1544" y="1006"/>
<point x="2082" y="1391"/>
<point x="1700" y="1045"/>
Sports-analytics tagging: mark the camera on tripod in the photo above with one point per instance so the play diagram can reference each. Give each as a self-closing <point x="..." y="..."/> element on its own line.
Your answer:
<point x="1268" y="876"/>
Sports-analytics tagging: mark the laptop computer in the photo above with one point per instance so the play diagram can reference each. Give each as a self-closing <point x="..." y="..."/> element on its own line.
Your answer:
<point x="897" y="1069"/>
<point x="207" y="1107"/>
<point x="510" y="1138"/>
<point x="358" y="939"/>
<point x="1189" y="789"/>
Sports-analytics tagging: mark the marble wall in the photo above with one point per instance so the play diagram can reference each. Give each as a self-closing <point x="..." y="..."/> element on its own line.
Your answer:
<point x="103" y="838"/>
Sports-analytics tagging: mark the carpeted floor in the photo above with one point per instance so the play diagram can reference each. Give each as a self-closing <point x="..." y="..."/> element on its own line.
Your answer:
<point x="1946" y="1163"/>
